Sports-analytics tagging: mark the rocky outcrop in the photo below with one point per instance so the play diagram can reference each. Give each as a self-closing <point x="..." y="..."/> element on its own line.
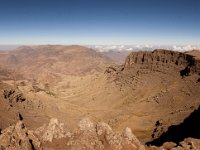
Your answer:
<point x="13" y="96"/>
<point x="88" y="136"/>
<point x="92" y="136"/>
<point x="165" y="57"/>
<point x="17" y="137"/>
<point x="54" y="130"/>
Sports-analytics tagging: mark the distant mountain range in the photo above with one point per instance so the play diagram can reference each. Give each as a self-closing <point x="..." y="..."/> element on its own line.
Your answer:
<point x="134" y="47"/>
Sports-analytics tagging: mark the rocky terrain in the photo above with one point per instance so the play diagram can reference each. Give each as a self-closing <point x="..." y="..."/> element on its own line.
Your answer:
<point x="158" y="85"/>
<point x="87" y="136"/>
<point x="153" y="96"/>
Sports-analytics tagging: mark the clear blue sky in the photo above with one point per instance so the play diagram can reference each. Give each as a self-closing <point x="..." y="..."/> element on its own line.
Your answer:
<point x="99" y="21"/>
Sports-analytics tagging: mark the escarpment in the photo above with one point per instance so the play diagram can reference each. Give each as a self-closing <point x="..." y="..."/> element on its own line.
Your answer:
<point x="187" y="63"/>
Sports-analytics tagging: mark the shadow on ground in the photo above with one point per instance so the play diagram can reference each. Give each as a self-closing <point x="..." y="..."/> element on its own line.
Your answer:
<point x="177" y="133"/>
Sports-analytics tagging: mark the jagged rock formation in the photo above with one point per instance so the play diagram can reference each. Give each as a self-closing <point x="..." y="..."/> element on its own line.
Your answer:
<point x="54" y="130"/>
<point x="17" y="137"/>
<point x="89" y="136"/>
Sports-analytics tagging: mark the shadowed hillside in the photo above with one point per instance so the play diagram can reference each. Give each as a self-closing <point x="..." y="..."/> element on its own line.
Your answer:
<point x="177" y="133"/>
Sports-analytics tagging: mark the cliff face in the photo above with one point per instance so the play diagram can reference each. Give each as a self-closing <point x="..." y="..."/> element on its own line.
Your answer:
<point x="164" y="57"/>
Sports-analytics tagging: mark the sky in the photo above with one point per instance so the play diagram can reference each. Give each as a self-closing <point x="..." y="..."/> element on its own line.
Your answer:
<point x="30" y="22"/>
